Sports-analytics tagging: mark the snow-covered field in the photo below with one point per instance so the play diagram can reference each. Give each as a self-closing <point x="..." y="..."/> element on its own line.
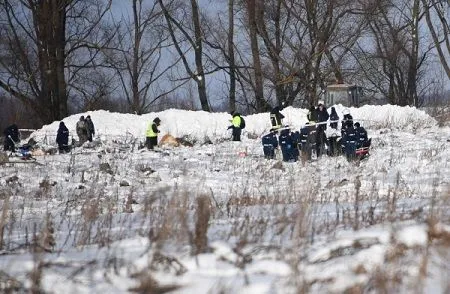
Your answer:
<point x="219" y="218"/>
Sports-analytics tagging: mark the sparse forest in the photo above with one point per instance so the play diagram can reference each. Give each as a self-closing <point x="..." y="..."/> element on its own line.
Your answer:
<point x="62" y="57"/>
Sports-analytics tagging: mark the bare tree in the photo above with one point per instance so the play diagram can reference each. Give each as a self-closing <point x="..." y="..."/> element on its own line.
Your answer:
<point x="320" y="37"/>
<point x="223" y="53"/>
<point x="41" y="43"/>
<point x="440" y="24"/>
<point x="231" y="57"/>
<point x="93" y="91"/>
<point x="254" y="9"/>
<point x="395" y="30"/>
<point x="271" y="14"/>
<point x="195" y="42"/>
<point x="285" y="48"/>
<point x="138" y="55"/>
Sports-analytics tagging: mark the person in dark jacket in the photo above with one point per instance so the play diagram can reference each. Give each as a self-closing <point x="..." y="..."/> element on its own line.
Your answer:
<point x="334" y="143"/>
<point x="349" y="140"/>
<point x="270" y="143"/>
<point x="276" y="117"/>
<point x="308" y="137"/>
<point x="151" y="135"/>
<point x="287" y="146"/>
<point x="296" y="140"/>
<point x="236" y="126"/>
<point x="347" y="120"/>
<point x="361" y="135"/>
<point x="322" y="116"/>
<point x="334" y="117"/>
<point x="321" y="141"/>
<point x="62" y="138"/>
<point x="12" y="137"/>
<point x="312" y="115"/>
<point x="304" y="131"/>
<point x="90" y="127"/>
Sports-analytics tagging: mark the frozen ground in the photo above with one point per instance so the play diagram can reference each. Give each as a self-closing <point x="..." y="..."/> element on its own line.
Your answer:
<point x="218" y="218"/>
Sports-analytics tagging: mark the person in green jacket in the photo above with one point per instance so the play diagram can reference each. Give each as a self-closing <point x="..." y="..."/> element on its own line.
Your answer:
<point x="151" y="134"/>
<point x="236" y="126"/>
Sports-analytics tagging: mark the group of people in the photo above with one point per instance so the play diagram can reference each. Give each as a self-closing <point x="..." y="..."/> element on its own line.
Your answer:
<point x="151" y="134"/>
<point x="311" y="141"/>
<point x="11" y="141"/>
<point x="85" y="131"/>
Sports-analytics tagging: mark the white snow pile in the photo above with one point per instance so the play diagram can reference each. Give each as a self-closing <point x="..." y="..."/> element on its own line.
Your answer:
<point x="200" y="126"/>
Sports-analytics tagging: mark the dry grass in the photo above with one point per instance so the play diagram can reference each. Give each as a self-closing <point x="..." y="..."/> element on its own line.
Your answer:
<point x="288" y="224"/>
<point x="149" y="285"/>
<point x="201" y="224"/>
<point x="4" y="216"/>
<point x="9" y="284"/>
<point x="441" y="113"/>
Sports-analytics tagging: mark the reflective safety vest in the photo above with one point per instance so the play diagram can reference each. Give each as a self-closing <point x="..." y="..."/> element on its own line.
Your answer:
<point x="236" y="122"/>
<point x="276" y="123"/>
<point x="150" y="133"/>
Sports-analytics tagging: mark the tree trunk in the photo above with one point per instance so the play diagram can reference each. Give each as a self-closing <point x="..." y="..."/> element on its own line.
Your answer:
<point x="445" y="43"/>
<point x="273" y="45"/>
<point x="198" y="50"/>
<point x="198" y="75"/>
<point x="261" y="104"/>
<point x="411" y="90"/>
<point x="335" y="67"/>
<point x="49" y="17"/>
<point x="134" y="74"/>
<point x="231" y="58"/>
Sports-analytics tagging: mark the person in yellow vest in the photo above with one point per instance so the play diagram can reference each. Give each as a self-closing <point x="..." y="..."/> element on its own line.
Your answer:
<point x="276" y="117"/>
<point x="151" y="134"/>
<point x="236" y="126"/>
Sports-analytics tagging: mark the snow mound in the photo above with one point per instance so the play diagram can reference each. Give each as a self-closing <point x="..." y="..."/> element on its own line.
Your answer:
<point x="200" y="126"/>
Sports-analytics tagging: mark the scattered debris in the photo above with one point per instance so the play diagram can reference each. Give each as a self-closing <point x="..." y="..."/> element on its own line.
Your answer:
<point x="278" y="165"/>
<point x="169" y="140"/>
<point x="124" y="183"/>
<point x="106" y="168"/>
<point x="3" y="157"/>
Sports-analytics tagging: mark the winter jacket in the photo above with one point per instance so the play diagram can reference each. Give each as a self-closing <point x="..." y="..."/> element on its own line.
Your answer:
<point x="361" y="135"/>
<point x="270" y="140"/>
<point x="312" y="114"/>
<point x="13" y="132"/>
<point x="62" y="137"/>
<point x="236" y="121"/>
<point x="276" y="117"/>
<point x="349" y="141"/>
<point x="334" y="117"/>
<point x="82" y="128"/>
<point x="289" y="151"/>
<point x="152" y="130"/>
<point x="347" y="121"/>
<point x="90" y="126"/>
<point x="296" y="138"/>
<point x="322" y="115"/>
<point x="304" y="131"/>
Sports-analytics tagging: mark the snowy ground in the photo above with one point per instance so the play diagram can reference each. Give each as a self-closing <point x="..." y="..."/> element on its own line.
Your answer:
<point x="218" y="218"/>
